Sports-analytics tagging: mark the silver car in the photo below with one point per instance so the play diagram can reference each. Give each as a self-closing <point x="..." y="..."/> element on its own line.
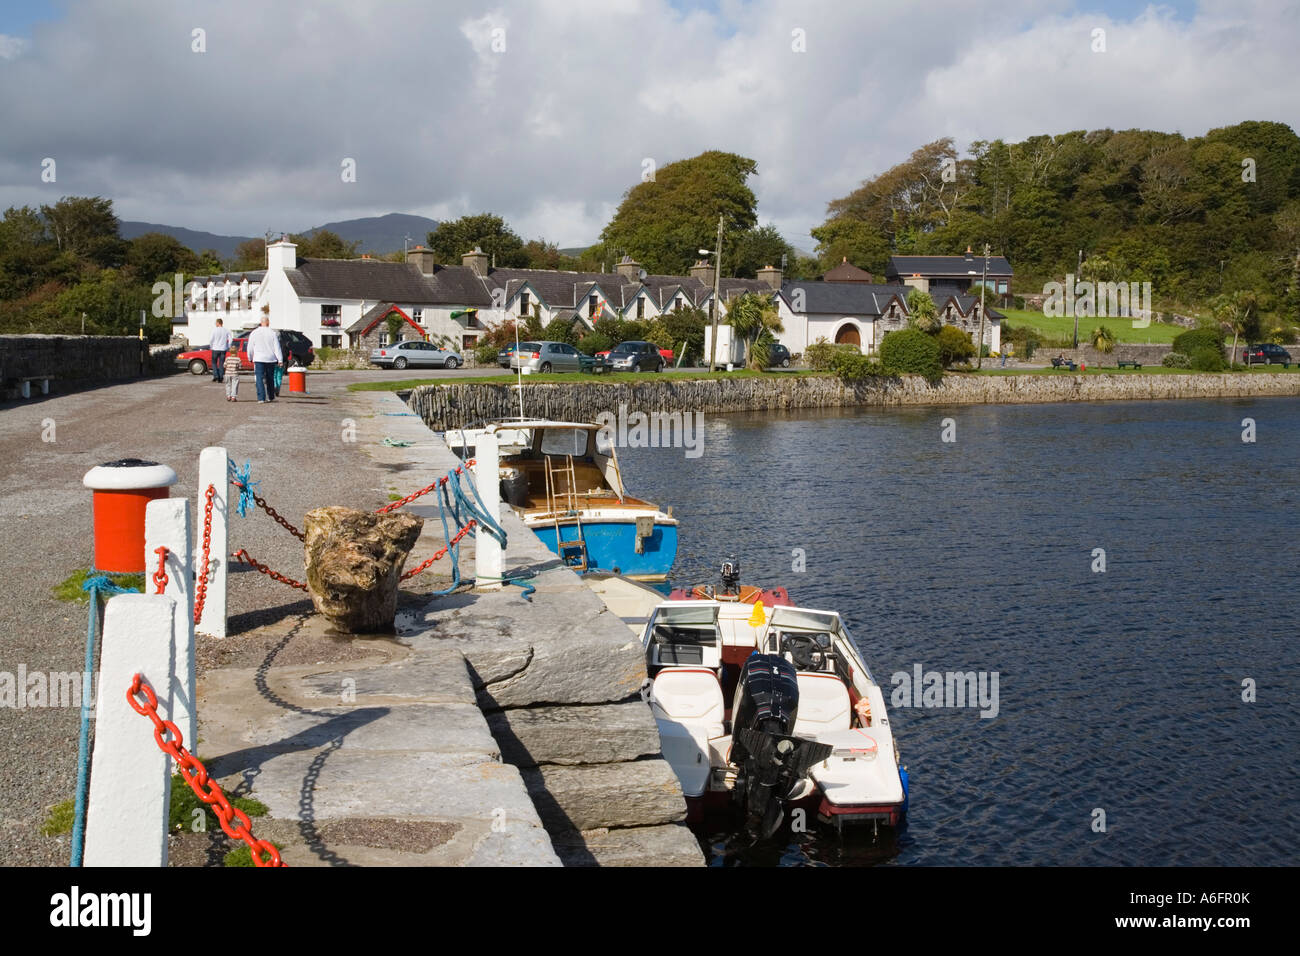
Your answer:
<point x="546" y="357"/>
<point x="415" y="353"/>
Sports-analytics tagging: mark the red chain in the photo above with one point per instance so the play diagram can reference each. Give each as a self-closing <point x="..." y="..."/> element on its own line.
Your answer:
<point x="455" y="539"/>
<point x="201" y="592"/>
<point x="196" y="775"/>
<point x="243" y="555"/>
<point x="423" y="491"/>
<point x="261" y="503"/>
<point x="160" y="576"/>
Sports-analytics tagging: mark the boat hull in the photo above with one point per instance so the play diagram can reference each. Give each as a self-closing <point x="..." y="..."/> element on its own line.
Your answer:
<point x="612" y="546"/>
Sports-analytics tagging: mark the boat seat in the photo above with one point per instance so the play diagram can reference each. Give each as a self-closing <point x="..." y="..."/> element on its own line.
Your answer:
<point x="688" y="709"/>
<point x="824" y="705"/>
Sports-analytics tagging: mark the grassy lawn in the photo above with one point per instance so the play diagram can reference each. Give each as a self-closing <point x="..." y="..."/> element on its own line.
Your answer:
<point x="571" y="378"/>
<point x="1063" y="327"/>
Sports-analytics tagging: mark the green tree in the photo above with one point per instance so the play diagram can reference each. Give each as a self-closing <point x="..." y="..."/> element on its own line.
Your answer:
<point x="954" y="346"/>
<point x="754" y="318"/>
<point x="250" y="255"/>
<point x="86" y="227"/>
<point x="663" y="223"/>
<point x="755" y="249"/>
<point x="453" y="238"/>
<point x="1102" y="339"/>
<point x="922" y="313"/>
<point x="156" y="255"/>
<point x="324" y="244"/>
<point x="1237" y="311"/>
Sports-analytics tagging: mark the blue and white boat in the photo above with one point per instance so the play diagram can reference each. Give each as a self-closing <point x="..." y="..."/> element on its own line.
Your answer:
<point x="563" y="480"/>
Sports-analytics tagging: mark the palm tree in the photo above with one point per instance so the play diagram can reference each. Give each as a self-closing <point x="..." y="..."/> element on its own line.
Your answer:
<point x="1236" y="311"/>
<point x="753" y="317"/>
<point x="1102" y="339"/>
<point x="921" y="312"/>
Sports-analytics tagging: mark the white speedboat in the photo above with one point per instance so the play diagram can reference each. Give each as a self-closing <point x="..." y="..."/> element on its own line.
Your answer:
<point x="772" y="710"/>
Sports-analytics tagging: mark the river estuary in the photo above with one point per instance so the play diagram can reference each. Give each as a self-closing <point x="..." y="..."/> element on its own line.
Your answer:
<point x="1119" y="691"/>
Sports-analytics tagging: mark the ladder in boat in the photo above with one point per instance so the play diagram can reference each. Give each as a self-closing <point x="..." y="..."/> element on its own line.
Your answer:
<point x="572" y="552"/>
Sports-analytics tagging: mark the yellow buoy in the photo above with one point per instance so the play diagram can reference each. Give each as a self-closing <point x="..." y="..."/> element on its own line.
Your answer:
<point x="757" y="619"/>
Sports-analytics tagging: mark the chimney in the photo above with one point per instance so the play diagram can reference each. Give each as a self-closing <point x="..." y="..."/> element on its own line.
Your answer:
<point x="917" y="281"/>
<point x="629" y="269"/>
<point x="703" y="271"/>
<point x="423" y="258"/>
<point x="476" y="260"/>
<point x="281" y="255"/>
<point x="771" y="277"/>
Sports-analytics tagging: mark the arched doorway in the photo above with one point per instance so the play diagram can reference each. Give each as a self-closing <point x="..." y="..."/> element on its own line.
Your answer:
<point x="848" y="335"/>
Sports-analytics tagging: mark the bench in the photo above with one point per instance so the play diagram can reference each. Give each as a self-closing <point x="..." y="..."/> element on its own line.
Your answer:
<point x="24" y="384"/>
<point x="1064" y="363"/>
<point x="1129" y="363"/>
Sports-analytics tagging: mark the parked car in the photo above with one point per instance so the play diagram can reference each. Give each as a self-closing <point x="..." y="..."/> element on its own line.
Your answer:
<point x="503" y="357"/>
<point x="778" y="354"/>
<point x="634" y="357"/>
<point x="292" y="344"/>
<point x="666" y="353"/>
<point x="416" y="353"/>
<point x="1266" y="353"/>
<point x="547" y="357"/>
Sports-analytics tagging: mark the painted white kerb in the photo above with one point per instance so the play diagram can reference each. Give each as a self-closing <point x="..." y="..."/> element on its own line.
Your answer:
<point x="489" y="557"/>
<point x="213" y="470"/>
<point x="167" y="524"/>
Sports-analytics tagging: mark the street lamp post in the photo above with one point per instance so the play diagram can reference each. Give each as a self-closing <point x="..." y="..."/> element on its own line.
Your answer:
<point x="979" y="345"/>
<point x="717" y="278"/>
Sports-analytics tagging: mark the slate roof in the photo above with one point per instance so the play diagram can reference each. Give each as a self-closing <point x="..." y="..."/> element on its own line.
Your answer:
<point x="845" y="298"/>
<point x="848" y="272"/>
<point x="358" y="279"/>
<point x="903" y="266"/>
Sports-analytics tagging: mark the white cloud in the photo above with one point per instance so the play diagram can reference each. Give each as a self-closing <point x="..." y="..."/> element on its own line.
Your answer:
<point x="11" y="47"/>
<point x="551" y="131"/>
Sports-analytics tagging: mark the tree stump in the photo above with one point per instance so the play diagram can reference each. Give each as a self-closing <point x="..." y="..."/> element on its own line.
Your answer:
<point x="354" y="564"/>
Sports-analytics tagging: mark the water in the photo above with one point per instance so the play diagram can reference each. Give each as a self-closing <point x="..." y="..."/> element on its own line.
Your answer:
<point x="1119" y="691"/>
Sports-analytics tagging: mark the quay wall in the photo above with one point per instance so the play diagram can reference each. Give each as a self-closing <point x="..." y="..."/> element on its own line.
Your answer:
<point x="457" y="404"/>
<point x="82" y="361"/>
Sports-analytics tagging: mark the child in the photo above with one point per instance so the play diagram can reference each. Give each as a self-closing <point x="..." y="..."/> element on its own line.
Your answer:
<point x="232" y="375"/>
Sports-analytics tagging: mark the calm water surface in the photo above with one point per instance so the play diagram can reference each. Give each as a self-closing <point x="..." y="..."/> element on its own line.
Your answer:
<point x="1119" y="690"/>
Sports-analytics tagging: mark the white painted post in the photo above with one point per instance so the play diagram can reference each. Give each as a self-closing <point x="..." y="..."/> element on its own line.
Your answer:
<point x="213" y="471"/>
<point x="130" y="782"/>
<point x="489" y="559"/>
<point x="167" y="524"/>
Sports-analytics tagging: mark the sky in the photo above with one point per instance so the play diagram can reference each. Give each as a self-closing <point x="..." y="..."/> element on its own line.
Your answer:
<point x="243" y="116"/>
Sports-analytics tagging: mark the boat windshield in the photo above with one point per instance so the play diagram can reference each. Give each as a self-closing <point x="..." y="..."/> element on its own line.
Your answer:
<point x="564" y="441"/>
<point x="797" y="618"/>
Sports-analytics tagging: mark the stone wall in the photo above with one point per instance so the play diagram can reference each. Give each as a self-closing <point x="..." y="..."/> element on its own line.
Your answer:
<point x="456" y="405"/>
<point x="81" y="361"/>
<point x="1145" y="354"/>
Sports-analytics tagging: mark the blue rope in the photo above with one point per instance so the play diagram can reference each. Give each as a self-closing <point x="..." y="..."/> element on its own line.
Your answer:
<point x="243" y="480"/>
<point x="96" y="583"/>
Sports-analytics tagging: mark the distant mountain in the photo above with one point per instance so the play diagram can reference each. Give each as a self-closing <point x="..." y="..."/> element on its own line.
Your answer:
<point x="376" y="234"/>
<point x="190" y="238"/>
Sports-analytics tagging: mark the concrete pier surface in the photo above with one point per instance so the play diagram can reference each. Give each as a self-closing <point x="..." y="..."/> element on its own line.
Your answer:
<point x="489" y="730"/>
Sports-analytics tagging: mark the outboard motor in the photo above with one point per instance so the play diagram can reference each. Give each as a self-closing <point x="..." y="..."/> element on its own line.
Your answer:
<point x="770" y="761"/>
<point x="731" y="576"/>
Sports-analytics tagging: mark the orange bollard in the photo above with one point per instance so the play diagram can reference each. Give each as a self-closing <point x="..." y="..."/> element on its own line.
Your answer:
<point x="298" y="379"/>
<point x="122" y="489"/>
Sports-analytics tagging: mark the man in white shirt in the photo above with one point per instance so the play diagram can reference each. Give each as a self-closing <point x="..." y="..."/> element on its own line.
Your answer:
<point x="265" y="354"/>
<point x="220" y="345"/>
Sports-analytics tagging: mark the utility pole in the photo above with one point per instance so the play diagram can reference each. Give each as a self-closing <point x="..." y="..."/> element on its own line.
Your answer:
<point x="1075" y="306"/>
<point x="979" y="345"/>
<point x="717" y="279"/>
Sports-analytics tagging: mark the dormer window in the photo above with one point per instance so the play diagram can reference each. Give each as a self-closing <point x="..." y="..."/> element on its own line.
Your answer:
<point x="640" y="307"/>
<point x="592" y="303"/>
<point x="523" y="303"/>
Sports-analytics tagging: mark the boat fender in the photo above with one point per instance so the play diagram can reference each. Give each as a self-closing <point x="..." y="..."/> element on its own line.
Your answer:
<point x="863" y="710"/>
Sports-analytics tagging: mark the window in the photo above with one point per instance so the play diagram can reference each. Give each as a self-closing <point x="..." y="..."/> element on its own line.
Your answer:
<point x="331" y="341"/>
<point x="677" y="303"/>
<point x="640" y="307"/>
<point x="418" y="316"/>
<point x="331" y="315"/>
<point x="592" y="302"/>
<point x="523" y="304"/>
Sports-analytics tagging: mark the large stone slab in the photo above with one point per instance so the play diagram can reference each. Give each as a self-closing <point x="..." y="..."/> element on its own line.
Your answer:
<point x="671" y="845"/>
<point x="599" y="733"/>
<point x="638" y="793"/>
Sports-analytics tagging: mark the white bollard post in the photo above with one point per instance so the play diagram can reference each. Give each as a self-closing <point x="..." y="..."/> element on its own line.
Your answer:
<point x="489" y="559"/>
<point x="167" y="524"/>
<point x="213" y="471"/>
<point x="130" y="782"/>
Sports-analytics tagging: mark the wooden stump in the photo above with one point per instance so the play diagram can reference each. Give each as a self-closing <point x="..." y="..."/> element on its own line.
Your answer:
<point x="354" y="564"/>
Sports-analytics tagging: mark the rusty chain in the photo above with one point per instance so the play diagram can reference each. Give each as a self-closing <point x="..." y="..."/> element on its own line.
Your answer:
<point x="160" y="576"/>
<point x="425" y="564"/>
<point x="244" y="556"/>
<point x="201" y="591"/>
<point x="261" y="503"/>
<point x="196" y="775"/>
<point x="393" y="506"/>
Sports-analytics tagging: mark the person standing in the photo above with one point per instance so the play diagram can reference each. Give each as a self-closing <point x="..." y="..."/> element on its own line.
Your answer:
<point x="231" y="377"/>
<point x="265" y="354"/>
<point x="220" y="344"/>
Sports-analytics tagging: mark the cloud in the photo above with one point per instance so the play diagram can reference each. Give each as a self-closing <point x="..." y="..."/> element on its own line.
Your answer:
<point x="548" y="121"/>
<point x="11" y="47"/>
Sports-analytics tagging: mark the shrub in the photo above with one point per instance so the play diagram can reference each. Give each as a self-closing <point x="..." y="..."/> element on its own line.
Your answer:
<point x="560" y="330"/>
<point x="1102" y="339"/>
<point x="910" y="350"/>
<point x="1194" y="340"/>
<point x="1176" y="360"/>
<point x="954" y="346"/>
<point x="852" y="366"/>
<point x="594" y="342"/>
<point x="486" y="354"/>
<point x="821" y="354"/>
<point x="1207" y="360"/>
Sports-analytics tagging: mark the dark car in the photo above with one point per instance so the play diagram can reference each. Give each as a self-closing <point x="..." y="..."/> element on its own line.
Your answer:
<point x="292" y="344"/>
<point x="504" y="356"/>
<point x="778" y="354"/>
<point x="634" y="357"/>
<point x="1266" y="354"/>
